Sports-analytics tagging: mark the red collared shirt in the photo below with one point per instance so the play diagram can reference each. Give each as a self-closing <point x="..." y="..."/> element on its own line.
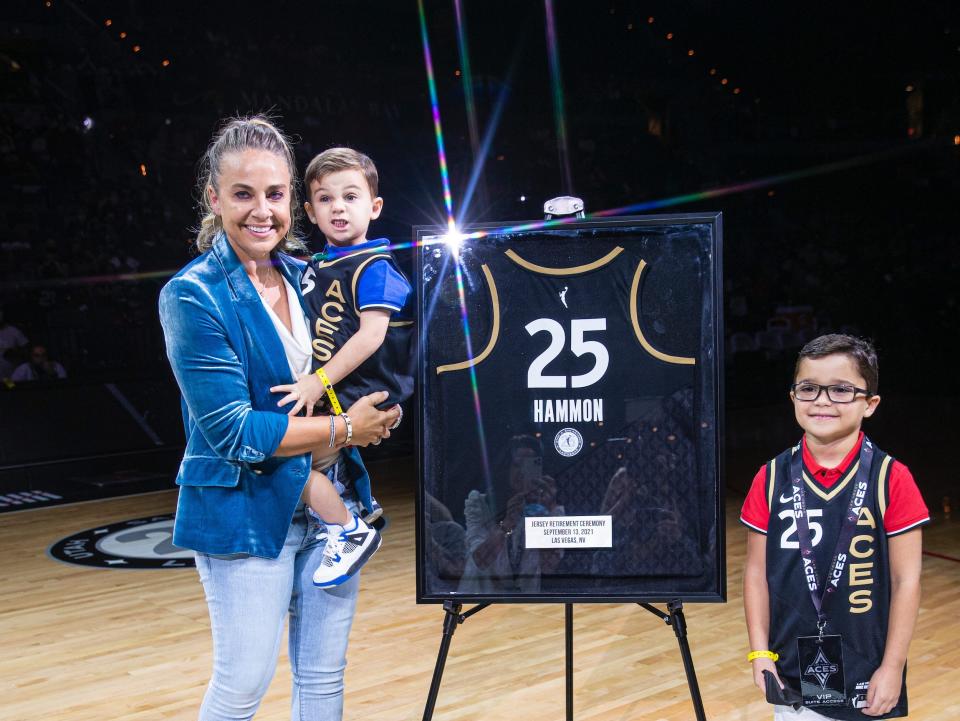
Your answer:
<point x="905" y="509"/>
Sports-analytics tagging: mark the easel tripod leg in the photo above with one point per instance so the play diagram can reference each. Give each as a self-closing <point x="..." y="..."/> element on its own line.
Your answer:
<point x="679" y="624"/>
<point x="450" y="621"/>
<point x="568" y="627"/>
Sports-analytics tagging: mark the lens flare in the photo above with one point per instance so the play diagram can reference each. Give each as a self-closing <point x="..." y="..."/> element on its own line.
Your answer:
<point x="467" y="77"/>
<point x="435" y="109"/>
<point x="474" y="387"/>
<point x="453" y="237"/>
<point x="556" y="83"/>
<point x="759" y="183"/>
<point x="480" y="158"/>
<point x="454" y="240"/>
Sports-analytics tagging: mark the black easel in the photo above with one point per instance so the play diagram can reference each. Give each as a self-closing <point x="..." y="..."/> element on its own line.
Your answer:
<point x="674" y="617"/>
<point x="450" y="623"/>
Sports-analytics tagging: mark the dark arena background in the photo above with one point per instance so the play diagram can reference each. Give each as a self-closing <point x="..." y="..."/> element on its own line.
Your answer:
<point x="827" y="135"/>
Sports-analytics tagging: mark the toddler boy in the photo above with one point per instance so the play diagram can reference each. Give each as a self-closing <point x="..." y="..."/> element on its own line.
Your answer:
<point x="361" y="328"/>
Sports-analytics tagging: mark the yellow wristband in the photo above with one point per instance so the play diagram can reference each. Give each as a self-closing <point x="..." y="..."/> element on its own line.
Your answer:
<point x="331" y="394"/>
<point x="753" y="655"/>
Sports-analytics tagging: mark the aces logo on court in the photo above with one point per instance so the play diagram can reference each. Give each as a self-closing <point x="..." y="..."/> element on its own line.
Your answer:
<point x="137" y="543"/>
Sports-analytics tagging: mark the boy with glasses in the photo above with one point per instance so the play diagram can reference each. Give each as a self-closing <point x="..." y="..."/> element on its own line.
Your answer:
<point x="832" y="577"/>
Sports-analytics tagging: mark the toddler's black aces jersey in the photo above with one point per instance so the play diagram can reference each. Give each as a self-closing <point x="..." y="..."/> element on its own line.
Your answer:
<point x="330" y="292"/>
<point x="592" y="350"/>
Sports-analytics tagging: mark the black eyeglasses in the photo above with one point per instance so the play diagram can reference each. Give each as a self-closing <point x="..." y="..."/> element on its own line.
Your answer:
<point x="840" y="393"/>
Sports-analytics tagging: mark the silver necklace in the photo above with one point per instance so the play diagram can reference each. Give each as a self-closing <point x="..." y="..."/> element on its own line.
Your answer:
<point x="263" y="290"/>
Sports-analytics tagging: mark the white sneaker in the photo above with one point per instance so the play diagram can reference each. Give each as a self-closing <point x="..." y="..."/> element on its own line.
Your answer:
<point x="345" y="553"/>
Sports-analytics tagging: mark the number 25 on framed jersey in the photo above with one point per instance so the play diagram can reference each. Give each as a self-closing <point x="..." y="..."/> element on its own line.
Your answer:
<point x="570" y="434"/>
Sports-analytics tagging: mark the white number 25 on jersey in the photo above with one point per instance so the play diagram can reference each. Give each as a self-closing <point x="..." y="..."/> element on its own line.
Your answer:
<point x="579" y="346"/>
<point x="816" y="529"/>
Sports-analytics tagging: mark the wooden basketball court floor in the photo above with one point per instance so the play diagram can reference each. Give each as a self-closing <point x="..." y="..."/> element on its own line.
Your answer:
<point x="81" y="644"/>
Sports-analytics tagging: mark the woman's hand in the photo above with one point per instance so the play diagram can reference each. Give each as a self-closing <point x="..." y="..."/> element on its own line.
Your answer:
<point x="307" y="392"/>
<point x="369" y="424"/>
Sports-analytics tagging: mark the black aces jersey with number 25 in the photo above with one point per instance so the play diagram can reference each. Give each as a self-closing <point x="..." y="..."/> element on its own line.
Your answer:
<point x="563" y="347"/>
<point x="562" y="352"/>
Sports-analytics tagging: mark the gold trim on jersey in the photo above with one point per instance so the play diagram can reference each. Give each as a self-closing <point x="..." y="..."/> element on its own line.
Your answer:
<point x="771" y="482"/>
<point x="358" y="271"/>
<point x="882" y="485"/>
<point x="494" y="331"/>
<point x="328" y="263"/>
<point x="827" y="496"/>
<point x="635" y="319"/>
<point x="399" y="323"/>
<point x="563" y="271"/>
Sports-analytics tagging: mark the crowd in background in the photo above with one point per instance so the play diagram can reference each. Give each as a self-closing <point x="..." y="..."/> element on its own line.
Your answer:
<point x="100" y="152"/>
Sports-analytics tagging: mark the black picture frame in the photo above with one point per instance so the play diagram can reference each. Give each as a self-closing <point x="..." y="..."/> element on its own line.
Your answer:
<point x="689" y="248"/>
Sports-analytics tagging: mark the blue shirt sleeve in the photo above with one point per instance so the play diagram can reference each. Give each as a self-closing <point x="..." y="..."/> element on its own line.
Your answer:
<point x="382" y="286"/>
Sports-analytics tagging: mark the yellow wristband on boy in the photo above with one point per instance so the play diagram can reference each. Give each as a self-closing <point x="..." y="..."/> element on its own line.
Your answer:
<point x="331" y="394"/>
<point x="754" y="655"/>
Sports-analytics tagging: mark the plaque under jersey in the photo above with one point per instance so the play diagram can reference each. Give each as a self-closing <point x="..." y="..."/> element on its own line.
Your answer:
<point x="569" y="431"/>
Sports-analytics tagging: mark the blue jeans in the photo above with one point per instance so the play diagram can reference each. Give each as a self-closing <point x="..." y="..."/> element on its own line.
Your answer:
<point x="248" y="599"/>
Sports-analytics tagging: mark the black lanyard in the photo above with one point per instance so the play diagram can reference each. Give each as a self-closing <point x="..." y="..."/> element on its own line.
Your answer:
<point x="858" y="495"/>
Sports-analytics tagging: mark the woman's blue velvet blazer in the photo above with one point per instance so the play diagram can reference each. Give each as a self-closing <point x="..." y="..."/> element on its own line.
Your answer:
<point x="235" y="495"/>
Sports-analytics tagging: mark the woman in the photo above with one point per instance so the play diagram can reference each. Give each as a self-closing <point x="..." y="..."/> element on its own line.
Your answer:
<point x="234" y="327"/>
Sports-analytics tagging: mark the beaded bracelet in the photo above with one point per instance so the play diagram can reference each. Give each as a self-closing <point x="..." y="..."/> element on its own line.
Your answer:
<point x="346" y="419"/>
<point x="396" y="425"/>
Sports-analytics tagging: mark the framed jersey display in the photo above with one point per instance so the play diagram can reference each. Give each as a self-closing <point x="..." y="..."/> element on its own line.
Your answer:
<point x="570" y="426"/>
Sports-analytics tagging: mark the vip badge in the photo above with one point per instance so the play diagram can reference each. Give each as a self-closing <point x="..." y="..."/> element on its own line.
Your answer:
<point x="821" y="671"/>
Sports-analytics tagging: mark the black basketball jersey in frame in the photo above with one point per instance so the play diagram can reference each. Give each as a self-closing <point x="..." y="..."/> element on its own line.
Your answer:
<point x="566" y="345"/>
<point x="329" y="288"/>
<point x="860" y="611"/>
<point x="566" y="353"/>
